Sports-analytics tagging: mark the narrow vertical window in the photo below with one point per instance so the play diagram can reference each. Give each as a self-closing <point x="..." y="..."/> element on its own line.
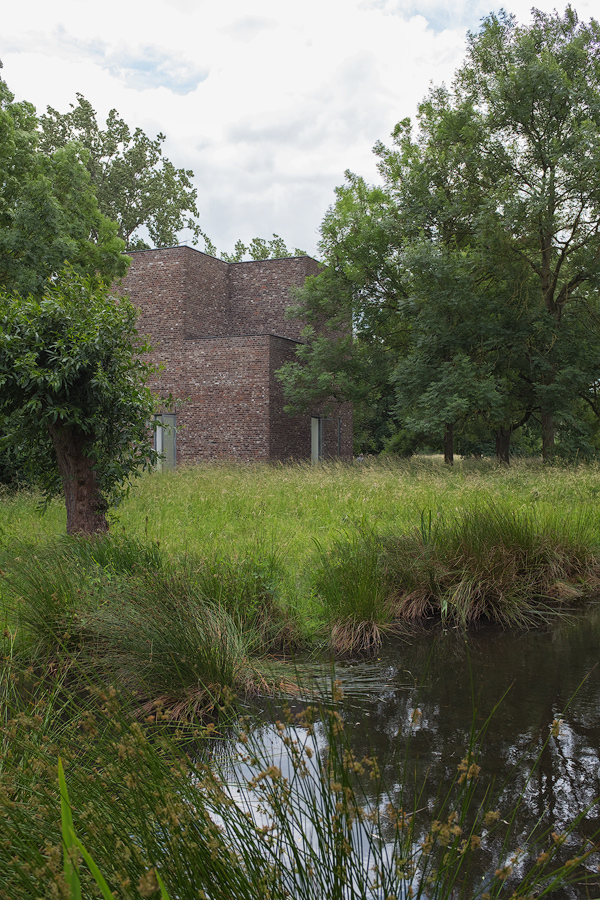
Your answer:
<point x="316" y="438"/>
<point x="165" y="432"/>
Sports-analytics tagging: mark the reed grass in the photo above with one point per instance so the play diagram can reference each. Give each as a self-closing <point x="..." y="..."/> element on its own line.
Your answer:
<point x="177" y="634"/>
<point x="93" y="803"/>
<point x="515" y="568"/>
<point x="350" y="582"/>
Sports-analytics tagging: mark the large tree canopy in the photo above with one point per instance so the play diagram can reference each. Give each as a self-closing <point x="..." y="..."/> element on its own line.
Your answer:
<point x="472" y="274"/>
<point x="136" y="186"/>
<point x="73" y="394"/>
<point x="48" y="208"/>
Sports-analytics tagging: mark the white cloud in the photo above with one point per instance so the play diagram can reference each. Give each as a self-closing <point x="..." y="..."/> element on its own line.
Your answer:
<point x="268" y="107"/>
<point x="248" y="27"/>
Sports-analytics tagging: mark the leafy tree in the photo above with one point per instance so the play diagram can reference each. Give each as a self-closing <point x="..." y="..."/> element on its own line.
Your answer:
<point x="259" y="248"/>
<point x="135" y="185"/>
<point x="73" y="396"/>
<point x="535" y="93"/>
<point x="48" y="209"/>
<point x="487" y="255"/>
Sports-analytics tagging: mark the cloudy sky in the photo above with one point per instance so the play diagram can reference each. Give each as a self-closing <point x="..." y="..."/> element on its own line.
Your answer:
<point x="268" y="102"/>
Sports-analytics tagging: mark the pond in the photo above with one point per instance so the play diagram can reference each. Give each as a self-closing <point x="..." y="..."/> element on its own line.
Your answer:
<point x="418" y="704"/>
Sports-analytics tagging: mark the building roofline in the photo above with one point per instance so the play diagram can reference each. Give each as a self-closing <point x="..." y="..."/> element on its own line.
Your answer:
<point x="243" y="262"/>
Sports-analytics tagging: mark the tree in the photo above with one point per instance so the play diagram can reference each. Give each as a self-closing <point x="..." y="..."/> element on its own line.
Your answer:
<point x="259" y="248"/>
<point x="535" y="96"/>
<point x="48" y="209"/>
<point x="488" y="254"/>
<point x="73" y="394"/>
<point x="135" y="185"/>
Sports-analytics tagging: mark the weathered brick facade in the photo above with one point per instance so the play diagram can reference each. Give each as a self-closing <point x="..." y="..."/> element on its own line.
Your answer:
<point x="219" y="331"/>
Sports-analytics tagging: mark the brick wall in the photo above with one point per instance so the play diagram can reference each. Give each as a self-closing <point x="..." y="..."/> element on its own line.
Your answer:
<point x="219" y="332"/>
<point x="260" y="294"/>
<point x="225" y="386"/>
<point x="289" y="435"/>
<point x="208" y="307"/>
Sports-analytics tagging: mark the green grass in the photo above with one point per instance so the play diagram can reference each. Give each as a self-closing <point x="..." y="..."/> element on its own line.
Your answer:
<point x="244" y="562"/>
<point x="217" y="506"/>
<point x="208" y="574"/>
<point x="494" y="562"/>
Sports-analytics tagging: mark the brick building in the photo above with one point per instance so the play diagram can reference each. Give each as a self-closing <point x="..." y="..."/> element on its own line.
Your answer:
<point x="220" y="333"/>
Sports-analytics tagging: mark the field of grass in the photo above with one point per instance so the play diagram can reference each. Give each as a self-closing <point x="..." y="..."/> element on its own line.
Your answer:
<point x="211" y="569"/>
<point x="333" y="554"/>
<point x="218" y="505"/>
<point x="212" y="578"/>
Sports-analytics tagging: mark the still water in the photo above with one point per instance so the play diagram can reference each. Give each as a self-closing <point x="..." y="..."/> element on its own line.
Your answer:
<point x="418" y="704"/>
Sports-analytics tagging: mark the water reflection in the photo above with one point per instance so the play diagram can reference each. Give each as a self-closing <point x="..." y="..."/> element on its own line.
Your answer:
<point x="536" y="695"/>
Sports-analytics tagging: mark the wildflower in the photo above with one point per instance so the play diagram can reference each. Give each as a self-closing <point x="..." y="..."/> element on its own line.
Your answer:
<point x="427" y="845"/>
<point x="468" y="770"/>
<point x="503" y="872"/>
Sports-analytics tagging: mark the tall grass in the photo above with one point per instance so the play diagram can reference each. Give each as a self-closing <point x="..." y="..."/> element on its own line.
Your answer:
<point x="485" y="562"/>
<point x="287" y="557"/>
<point x="308" y="821"/>
<point x="515" y="568"/>
<point x="350" y="582"/>
<point x="176" y="633"/>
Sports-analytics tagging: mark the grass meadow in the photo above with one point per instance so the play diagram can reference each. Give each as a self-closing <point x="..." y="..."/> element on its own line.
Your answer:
<point x="124" y="659"/>
<point x="381" y="542"/>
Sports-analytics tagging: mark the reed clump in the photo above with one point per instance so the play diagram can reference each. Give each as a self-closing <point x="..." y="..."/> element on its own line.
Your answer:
<point x="492" y="562"/>
<point x="149" y="812"/>
<point x="484" y="563"/>
<point x="351" y="584"/>
<point x="178" y="634"/>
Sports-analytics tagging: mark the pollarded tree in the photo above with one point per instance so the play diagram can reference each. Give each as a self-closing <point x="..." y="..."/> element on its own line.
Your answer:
<point x="73" y="394"/>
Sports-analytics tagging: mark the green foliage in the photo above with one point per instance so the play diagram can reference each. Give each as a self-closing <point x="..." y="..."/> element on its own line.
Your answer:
<point x="470" y="278"/>
<point x="487" y="562"/>
<point x="70" y="361"/>
<point x="259" y="248"/>
<point x="350" y="583"/>
<point x="48" y="210"/>
<point x="248" y="588"/>
<point x="490" y="562"/>
<point x="175" y="633"/>
<point x="172" y="651"/>
<point x="135" y="186"/>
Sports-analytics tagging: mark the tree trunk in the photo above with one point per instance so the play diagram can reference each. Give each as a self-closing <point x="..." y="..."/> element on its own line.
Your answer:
<point x="85" y="507"/>
<point x="503" y="436"/>
<point x="548" y="433"/>
<point x="449" y="444"/>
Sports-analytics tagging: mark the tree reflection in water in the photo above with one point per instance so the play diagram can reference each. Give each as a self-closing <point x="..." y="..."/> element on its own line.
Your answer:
<point x="417" y="706"/>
